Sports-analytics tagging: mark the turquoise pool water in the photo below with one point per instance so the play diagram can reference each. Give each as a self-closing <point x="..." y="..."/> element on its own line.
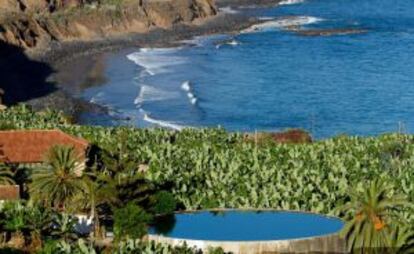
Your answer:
<point x="234" y="225"/>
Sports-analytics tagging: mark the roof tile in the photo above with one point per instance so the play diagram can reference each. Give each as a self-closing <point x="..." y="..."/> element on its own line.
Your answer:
<point x="32" y="146"/>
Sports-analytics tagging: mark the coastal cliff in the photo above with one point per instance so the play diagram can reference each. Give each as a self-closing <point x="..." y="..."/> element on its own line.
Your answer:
<point x="31" y="31"/>
<point x="48" y="48"/>
<point x="32" y="24"/>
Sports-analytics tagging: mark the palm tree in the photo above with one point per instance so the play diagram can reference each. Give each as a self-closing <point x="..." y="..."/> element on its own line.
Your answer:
<point x="401" y="239"/>
<point x="6" y="175"/>
<point x="37" y="219"/>
<point x="118" y="183"/>
<point x="373" y="215"/>
<point x="93" y="197"/>
<point x="13" y="221"/>
<point x="64" y="227"/>
<point x="122" y="177"/>
<point x="58" y="182"/>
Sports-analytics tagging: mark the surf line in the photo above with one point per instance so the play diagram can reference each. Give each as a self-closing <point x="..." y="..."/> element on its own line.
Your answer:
<point x="187" y="87"/>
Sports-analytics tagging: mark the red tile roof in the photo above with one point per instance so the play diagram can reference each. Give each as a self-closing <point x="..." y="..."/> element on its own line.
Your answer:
<point x="9" y="192"/>
<point x="32" y="146"/>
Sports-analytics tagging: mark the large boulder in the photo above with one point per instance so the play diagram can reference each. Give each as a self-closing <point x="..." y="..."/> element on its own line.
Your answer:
<point x="7" y="6"/>
<point x="13" y="6"/>
<point x="164" y="13"/>
<point x="34" y="5"/>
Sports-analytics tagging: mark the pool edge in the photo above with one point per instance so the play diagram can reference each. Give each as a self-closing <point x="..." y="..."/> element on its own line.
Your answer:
<point x="327" y="243"/>
<point x="332" y="243"/>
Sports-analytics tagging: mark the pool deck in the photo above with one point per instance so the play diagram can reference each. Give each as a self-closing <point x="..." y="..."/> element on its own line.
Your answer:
<point x="322" y="244"/>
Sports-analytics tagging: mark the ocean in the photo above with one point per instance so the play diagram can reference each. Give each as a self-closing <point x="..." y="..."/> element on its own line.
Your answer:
<point x="271" y="76"/>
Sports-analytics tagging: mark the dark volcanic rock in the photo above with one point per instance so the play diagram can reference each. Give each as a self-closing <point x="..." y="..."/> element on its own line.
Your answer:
<point x="31" y="76"/>
<point x="242" y="3"/>
<point x="294" y="136"/>
<point x="328" y="32"/>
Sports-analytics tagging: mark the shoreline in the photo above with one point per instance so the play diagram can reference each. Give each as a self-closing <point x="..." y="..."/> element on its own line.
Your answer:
<point x="60" y="56"/>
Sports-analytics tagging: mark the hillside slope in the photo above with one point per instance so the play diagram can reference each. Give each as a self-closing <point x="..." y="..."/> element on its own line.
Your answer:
<point x="35" y="23"/>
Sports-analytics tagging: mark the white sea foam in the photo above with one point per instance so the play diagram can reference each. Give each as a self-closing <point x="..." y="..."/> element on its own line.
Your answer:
<point x="97" y="98"/>
<point x="252" y="6"/>
<point x="232" y="42"/>
<point x="265" y="18"/>
<point x="228" y="10"/>
<point x="283" y="23"/>
<point x="162" y="123"/>
<point x="186" y="86"/>
<point x="94" y="100"/>
<point x="155" y="61"/>
<point x="289" y="2"/>
<point x="196" y="41"/>
<point x="146" y="72"/>
<point x="159" y="50"/>
<point x="194" y="101"/>
<point x="192" y="42"/>
<point x="149" y="93"/>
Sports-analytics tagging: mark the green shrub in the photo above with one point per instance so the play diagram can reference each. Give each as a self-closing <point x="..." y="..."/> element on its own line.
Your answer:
<point x="130" y="222"/>
<point x="6" y="126"/>
<point x="49" y="247"/>
<point x="12" y="217"/>
<point x="64" y="227"/>
<point x="163" y="202"/>
<point x="11" y="251"/>
<point x="139" y="247"/>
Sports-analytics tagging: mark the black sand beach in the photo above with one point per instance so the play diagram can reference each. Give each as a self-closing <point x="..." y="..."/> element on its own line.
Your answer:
<point x="53" y="77"/>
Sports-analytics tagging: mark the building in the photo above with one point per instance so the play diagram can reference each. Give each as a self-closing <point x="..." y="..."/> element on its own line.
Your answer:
<point x="9" y="192"/>
<point x="29" y="147"/>
<point x="32" y="146"/>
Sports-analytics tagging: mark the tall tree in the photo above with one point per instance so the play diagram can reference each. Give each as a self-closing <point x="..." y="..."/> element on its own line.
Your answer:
<point x="37" y="221"/>
<point x="6" y="175"/>
<point x="58" y="181"/>
<point x="94" y="196"/>
<point x="374" y="213"/>
<point x="121" y="176"/>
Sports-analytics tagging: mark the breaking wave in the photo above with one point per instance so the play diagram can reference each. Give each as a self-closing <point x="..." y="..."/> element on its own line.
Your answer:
<point x="232" y="42"/>
<point x="156" y="60"/>
<point x="193" y="99"/>
<point x="162" y="123"/>
<point x="265" y="18"/>
<point x="228" y="10"/>
<point x="282" y="23"/>
<point x="186" y="86"/>
<point x="289" y="2"/>
<point x="98" y="98"/>
<point x="149" y="93"/>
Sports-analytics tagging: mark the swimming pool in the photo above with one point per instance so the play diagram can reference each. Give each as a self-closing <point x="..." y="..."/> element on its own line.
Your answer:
<point x="251" y="231"/>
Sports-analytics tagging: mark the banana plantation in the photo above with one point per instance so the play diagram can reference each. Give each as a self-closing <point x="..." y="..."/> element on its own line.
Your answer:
<point x="212" y="168"/>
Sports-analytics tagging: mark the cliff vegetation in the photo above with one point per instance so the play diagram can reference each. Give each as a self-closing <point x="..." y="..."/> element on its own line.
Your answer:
<point x="35" y="23"/>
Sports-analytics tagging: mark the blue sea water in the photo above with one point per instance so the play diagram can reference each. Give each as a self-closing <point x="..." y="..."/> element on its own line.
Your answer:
<point x="272" y="78"/>
<point x="236" y="225"/>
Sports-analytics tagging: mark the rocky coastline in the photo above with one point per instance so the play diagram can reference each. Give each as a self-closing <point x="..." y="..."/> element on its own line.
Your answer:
<point x="31" y="74"/>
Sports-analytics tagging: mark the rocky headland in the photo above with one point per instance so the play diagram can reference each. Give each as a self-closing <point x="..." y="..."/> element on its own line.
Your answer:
<point x="34" y="24"/>
<point x="326" y="32"/>
<point x="42" y="41"/>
